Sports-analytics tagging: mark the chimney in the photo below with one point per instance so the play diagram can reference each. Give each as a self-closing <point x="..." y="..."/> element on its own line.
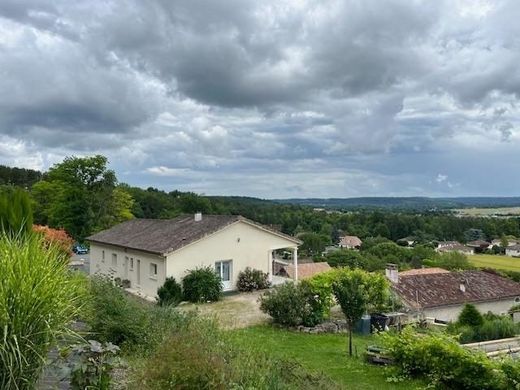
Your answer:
<point x="392" y="273"/>
<point x="462" y="285"/>
<point x="198" y="217"/>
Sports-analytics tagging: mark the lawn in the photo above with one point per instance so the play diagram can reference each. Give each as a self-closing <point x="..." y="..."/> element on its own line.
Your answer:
<point x="495" y="261"/>
<point x="326" y="353"/>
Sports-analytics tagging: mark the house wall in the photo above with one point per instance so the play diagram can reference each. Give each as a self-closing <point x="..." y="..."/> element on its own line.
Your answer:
<point x="148" y="283"/>
<point x="245" y="245"/>
<point x="450" y="313"/>
<point x="513" y="252"/>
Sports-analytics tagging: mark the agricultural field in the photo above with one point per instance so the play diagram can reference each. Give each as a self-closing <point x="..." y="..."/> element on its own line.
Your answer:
<point x="488" y="212"/>
<point x="496" y="261"/>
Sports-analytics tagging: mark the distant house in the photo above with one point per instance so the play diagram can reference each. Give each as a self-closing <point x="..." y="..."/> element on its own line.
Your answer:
<point x="350" y="242"/>
<point x="406" y="241"/>
<point x="454" y="246"/>
<point x="441" y="295"/>
<point x="513" y="251"/>
<point x="147" y="251"/>
<point x="479" y="245"/>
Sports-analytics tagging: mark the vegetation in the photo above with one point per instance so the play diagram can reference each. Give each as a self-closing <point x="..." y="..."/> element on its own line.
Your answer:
<point x="470" y="316"/>
<point x="252" y="279"/>
<point x="202" y="285"/>
<point x="19" y="177"/>
<point x="445" y="363"/>
<point x="358" y="292"/>
<point x="496" y="262"/>
<point x="170" y="293"/>
<point x="16" y="215"/>
<point x="38" y="301"/>
<point x="58" y="237"/>
<point x="295" y="304"/>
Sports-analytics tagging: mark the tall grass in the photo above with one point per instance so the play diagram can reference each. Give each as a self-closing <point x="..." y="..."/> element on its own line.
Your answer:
<point x="39" y="298"/>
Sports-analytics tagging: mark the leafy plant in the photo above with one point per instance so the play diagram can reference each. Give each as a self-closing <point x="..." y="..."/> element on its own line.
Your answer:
<point x="91" y="365"/>
<point x="252" y="279"/>
<point x="170" y="293"/>
<point x="202" y="285"/>
<point x="39" y="298"/>
<point x="16" y="215"/>
<point x="470" y="316"/>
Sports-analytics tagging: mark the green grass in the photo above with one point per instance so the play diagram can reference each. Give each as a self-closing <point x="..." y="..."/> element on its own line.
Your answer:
<point x="326" y="353"/>
<point x="495" y="261"/>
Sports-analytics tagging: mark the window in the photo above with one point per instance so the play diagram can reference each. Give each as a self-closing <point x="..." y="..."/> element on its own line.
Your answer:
<point x="517" y="299"/>
<point x="103" y="256"/>
<point x="114" y="260"/>
<point x="153" y="270"/>
<point x="131" y="263"/>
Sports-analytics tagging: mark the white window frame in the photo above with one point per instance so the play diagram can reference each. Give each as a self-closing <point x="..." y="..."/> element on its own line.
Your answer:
<point x="114" y="259"/>
<point x="154" y="267"/>
<point x="102" y="256"/>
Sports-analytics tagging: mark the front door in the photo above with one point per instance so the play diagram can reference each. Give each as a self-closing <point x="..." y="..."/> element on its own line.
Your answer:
<point x="224" y="270"/>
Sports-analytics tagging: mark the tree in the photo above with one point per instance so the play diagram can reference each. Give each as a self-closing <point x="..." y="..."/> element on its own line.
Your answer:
<point x="470" y="316"/>
<point x="357" y="292"/>
<point x="80" y="195"/>
<point x="16" y="215"/>
<point x="313" y="243"/>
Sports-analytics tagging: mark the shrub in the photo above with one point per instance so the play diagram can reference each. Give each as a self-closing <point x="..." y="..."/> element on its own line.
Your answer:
<point x="200" y="356"/>
<point x="202" y="285"/>
<point x="39" y="298"/>
<point x="470" y="316"/>
<point x="57" y="236"/>
<point x="292" y="305"/>
<point x="252" y="279"/>
<point x="91" y="365"/>
<point x="170" y="293"/>
<point x="499" y="328"/>
<point x="442" y="360"/>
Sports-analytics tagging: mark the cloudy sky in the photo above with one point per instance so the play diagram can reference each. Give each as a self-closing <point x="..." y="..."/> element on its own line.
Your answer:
<point x="268" y="98"/>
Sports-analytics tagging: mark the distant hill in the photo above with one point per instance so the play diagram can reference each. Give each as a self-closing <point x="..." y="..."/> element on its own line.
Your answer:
<point x="408" y="203"/>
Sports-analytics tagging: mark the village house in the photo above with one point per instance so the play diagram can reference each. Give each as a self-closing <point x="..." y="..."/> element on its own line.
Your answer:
<point x="145" y="252"/>
<point x="437" y="294"/>
<point x="513" y="251"/>
<point x="479" y="246"/>
<point x="454" y="246"/>
<point x="350" y="242"/>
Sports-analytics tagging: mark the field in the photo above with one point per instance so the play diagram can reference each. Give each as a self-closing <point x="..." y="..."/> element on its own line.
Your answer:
<point x="326" y="353"/>
<point x="488" y="212"/>
<point x="497" y="262"/>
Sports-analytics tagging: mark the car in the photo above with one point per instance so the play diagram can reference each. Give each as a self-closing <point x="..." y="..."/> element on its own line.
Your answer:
<point x="79" y="249"/>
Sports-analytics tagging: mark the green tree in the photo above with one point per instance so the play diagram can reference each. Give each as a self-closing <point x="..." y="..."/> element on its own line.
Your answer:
<point x="470" y="316"/>
<point x="313" y="243"/>
<point x="358" y="292"/>
<point x="16" y="216"/>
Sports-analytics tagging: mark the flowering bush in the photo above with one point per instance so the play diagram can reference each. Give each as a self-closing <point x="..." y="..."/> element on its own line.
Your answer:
<point x="252" y="279"/>
<point x="59" y="237"/>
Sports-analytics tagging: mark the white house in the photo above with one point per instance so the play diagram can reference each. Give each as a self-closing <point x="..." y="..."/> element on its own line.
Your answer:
<point x="513" y="251"/>
<point x="438" y="294"/>
<point x="147" y="251"/>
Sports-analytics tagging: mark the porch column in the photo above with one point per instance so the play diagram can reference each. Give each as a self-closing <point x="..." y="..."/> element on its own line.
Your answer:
<point x="295" y="259"/>
<point x="270" y="259"/>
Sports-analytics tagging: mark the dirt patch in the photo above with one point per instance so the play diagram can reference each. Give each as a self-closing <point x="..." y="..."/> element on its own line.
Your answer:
<point x="233" y="311"/>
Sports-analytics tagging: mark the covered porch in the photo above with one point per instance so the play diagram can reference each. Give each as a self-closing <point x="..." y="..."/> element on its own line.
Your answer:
<point x="278" y="265"/>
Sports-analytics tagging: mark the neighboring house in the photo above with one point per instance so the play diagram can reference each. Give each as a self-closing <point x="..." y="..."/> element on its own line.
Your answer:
<point x="350" y="242"/>
<point x="454" y="246"/>
<point x="513" y="251"/>
<point x="441" y="295"/>
<point x="479" y="245"/>
<point x="147" y="251"/>
<point x="305" y="270"/>
<point x="406" y="241"/>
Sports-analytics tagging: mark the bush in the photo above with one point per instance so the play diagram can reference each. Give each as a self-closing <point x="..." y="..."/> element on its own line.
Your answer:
<point x="200" y="356"/>
<point x="39" y="299"/>
<point x="499" y="328"/>
<point x="252" y="279"/>
<point x="170" y="293"/>
<point x="292" y="305"/>
<point x="470" y="316"/>
<point x="202" y="285"/>
<point x="443" y="361"/>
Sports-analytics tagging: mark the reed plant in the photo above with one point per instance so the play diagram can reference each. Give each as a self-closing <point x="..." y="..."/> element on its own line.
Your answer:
<point x="39" y="298"/>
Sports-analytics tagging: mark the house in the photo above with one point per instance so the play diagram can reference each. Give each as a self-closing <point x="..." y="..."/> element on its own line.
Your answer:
<point x="350" y="242"/>
<point x="454" y="246"/>
<point x="513" y="251"/>
<point x="147" y="251"/>
<point x="479" y="246"/>
<point x="305" y="270"/>
<point x="441" y="295"/>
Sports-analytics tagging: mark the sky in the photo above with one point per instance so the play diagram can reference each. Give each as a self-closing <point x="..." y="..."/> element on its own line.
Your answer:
<point x="271" y="98"/>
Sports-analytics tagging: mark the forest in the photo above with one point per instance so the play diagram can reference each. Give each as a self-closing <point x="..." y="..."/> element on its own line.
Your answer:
<point x="83" y="196"/>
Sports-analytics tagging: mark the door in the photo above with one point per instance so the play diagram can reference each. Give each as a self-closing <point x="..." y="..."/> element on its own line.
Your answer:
<point x="224" y="270"/>
<point x="138" y="272"/>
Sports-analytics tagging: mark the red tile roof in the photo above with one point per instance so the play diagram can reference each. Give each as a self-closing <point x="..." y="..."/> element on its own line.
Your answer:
<point x="423" y="271"/>
<point x="306" y="270"/>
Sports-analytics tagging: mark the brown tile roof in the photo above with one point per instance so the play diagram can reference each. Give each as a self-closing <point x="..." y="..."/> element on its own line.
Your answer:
<point x="440" y="289"/>
<point x="306" y="270"/>
<point x="352" y="241"/>
<point x="161" y="236"/>
<point x="423" y="271"/>
<point x="454" y="247"/>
